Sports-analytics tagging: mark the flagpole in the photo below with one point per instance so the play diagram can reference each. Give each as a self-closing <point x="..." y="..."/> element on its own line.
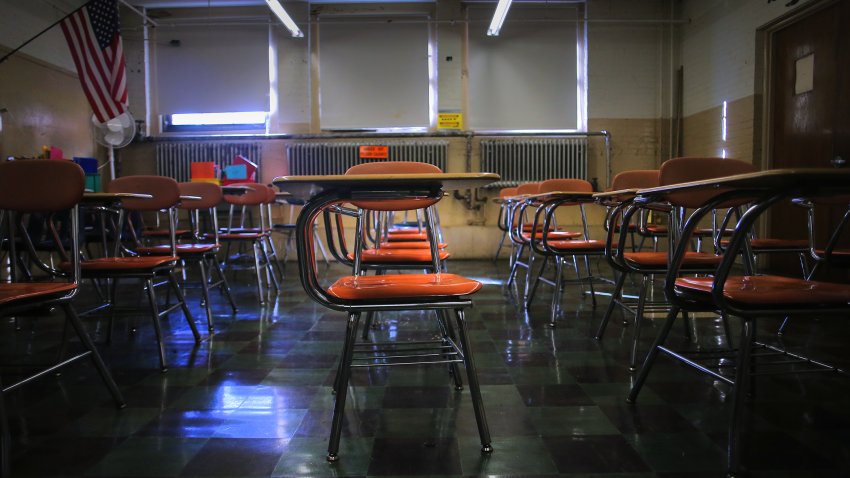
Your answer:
<point x="57" y="22"/>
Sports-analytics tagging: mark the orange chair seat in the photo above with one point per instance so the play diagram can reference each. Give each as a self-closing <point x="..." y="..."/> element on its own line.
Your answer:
<point x="591" y="245"/>
<point x="658" y="260"/>
<point x="143" y="263"/>
<point x="411" y="245"/>
<point x="770" y="292"/>
<point x="390" y="256"/>
<point x="182" y="249"/>
<point x="402" y="286"/>
<point x="768" y="243"/>
<point x="404" y="236"/>
<point x="656" y="229"/>
<point x="21" y="291"/>
<point x="554" y="235"/>
<point x="240" y="236"/>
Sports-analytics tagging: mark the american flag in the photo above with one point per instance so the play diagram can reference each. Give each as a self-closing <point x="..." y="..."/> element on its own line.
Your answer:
<point x="94" y="36"/>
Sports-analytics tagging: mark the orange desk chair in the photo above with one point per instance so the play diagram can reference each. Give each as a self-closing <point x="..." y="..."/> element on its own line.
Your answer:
<point x="256" y="196"/>
<point x="633" y="179"/>
<point x="198" y="252"/>
<point x="502" y="222"/>
<point x="647" y="264"/>
<point x="404" y="250"/>
<point x="383" y="255"/>
<point x="149" y="269"/>
<point x="545" y="242"/>
<point x="748" y="297"/>
<point x="520" y="228"/>
<point x="357" y="293"/>
<point x="44" y="187"/>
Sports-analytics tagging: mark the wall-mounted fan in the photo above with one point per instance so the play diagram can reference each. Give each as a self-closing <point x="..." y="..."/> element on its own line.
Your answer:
<point x="114" y="133"/>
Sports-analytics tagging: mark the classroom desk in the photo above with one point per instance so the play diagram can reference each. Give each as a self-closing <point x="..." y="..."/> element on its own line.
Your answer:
<point x="322" y="192"/>
<point x="381" y="186"/>
<point x="747" y="296"/>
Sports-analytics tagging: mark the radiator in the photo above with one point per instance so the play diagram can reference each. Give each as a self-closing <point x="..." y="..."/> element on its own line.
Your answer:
<point x="520" y="161"/>
<point x="336" y="158"/>
<point x="174" y="159"/>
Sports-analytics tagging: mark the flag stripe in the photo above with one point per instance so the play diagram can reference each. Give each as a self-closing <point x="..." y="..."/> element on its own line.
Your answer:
<point x="93" y="36"/>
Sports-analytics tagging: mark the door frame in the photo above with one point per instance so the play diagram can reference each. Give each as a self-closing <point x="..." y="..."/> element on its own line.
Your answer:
<point x="764" y="62"/>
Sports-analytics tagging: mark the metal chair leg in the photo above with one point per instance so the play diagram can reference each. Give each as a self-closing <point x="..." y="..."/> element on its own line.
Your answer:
<point x="644" y="287"/>
<point x="156" y="325"/>
<point x="618" y="290"/>
<point x="224" y="287"/>
<point x="739" y="394"/>
<point x="652" y="355"/>
<point x="97" y="360"/>
<point x="179" y="293"/>
<point x="474" y="390"/>
<point x="556" y="294"/>
<point x="205" y="289"/>
<point x="342" y="386"/>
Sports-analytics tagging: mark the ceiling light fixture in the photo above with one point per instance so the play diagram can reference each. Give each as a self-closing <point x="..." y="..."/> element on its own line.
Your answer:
<point x="284" y="17"/>
<point x="499" y="17"/>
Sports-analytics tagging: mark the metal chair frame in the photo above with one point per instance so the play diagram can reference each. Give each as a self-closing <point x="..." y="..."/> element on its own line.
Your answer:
<point x="449" y="351"/>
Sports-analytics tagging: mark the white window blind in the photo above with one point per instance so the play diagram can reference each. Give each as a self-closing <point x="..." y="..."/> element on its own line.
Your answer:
<point x="525" y="78"/>
<point x="373" y="75"/>
<point x="213" y="69"/>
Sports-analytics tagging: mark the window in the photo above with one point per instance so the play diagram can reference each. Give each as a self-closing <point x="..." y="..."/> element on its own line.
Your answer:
<point x="527" y="78"/>
<point x="212" y="69"/>
<point x="374" y="74"/>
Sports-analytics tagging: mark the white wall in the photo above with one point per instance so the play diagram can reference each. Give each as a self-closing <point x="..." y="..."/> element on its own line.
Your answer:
<point x="20" y="20"/>
<point x="718" y="49"/>
<point x="628" y="62"/>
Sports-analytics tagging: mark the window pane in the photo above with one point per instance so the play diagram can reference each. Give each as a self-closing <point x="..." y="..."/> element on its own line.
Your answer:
<point x="373" y="75"/>
<point x="213" y="69"/>
<point x="525" y="78"/>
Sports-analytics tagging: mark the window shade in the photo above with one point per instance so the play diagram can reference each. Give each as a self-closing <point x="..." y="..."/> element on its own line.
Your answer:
<point x="373" y="75"/>
<point x="525" y="78"/>
<point x="213" y="69"/>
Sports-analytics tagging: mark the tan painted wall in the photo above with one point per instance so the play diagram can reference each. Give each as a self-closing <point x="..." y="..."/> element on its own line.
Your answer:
<point x="44" y="106"/>
<point x="702" y="131"/>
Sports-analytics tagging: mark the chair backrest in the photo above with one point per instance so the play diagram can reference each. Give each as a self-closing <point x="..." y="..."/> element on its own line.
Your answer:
<point x="254" y="195"/>
<point x="637" y="178"/>
<point x="507" y="192"/>
<point x="682" y="170"/>
<point x="567" y="184"/>
<point x="35" y="185"/>
<point x="209" y="193"/>
<point x="394" y="167"/>
<point x="528" y="188"/>
<point x="165" y="192"/>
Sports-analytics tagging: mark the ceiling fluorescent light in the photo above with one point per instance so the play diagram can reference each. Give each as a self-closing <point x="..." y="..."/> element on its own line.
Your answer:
<point x="284" y="17"/>
<point x="499" y="17"/>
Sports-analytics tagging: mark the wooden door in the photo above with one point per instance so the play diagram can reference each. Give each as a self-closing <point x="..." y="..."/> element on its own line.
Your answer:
<point x="809" y="120"/>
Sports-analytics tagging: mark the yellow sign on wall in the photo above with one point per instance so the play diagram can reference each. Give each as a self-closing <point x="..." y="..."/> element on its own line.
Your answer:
<point x="449" y="120"/>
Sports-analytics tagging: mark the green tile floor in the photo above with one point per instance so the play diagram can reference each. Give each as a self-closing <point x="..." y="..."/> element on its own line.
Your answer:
<point x="254" y="400"/>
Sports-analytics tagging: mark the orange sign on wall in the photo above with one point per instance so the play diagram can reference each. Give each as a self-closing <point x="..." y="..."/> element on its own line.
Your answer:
<point x="374" y="152"/>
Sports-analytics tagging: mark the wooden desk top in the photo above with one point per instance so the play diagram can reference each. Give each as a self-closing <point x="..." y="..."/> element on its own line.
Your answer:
<point x="582" y="196"/>
<point x="303" y="187"/>
<point x="800" y="180"/>
<point x="109" y="198"/>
